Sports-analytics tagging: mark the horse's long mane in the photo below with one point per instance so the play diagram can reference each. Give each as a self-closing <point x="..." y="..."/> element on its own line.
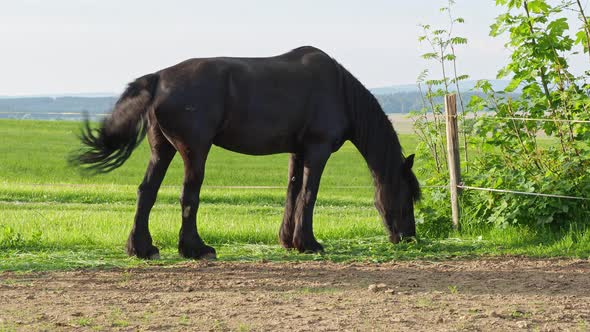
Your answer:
<point x="374" y="136"/>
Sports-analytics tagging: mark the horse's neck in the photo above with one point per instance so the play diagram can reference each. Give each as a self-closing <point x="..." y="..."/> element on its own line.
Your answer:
<point x="379" y="145"/>
<point x="373" y="133"/>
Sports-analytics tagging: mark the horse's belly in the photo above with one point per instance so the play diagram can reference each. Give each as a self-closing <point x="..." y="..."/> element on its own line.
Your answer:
<point x="254" y="143"/>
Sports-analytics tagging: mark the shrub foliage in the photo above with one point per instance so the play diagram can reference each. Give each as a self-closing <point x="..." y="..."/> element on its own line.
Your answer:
<point x="547" y="155"/>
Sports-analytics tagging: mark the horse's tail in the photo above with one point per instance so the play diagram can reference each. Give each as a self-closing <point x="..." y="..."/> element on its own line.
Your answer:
<point x="110" y="145"/>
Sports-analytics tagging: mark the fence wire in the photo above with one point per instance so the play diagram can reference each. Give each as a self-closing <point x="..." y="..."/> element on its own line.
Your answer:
<point x="507" y="191"/>
<point x="534" y="119"/>
<point x="210" y="186"/>
<point x="516" y="192"/>
<point x="523" y="193"/>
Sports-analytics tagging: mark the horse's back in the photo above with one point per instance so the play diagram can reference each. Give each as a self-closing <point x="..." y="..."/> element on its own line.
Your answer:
<point x="253" y="105"/>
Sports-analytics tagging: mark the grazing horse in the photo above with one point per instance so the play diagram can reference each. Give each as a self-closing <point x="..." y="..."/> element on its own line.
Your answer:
<point x="302" y="102"/>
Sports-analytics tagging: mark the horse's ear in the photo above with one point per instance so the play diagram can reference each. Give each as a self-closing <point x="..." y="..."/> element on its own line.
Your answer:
<point x="410" y="161"/>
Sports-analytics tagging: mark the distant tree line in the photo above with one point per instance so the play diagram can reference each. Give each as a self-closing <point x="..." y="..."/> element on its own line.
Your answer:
<point x="396" y="102"/>
<point x="405" y="102"/>
<point x="57" y="105"/>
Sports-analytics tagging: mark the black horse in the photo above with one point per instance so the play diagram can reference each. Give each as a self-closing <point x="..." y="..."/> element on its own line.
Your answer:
<point x="302" y="102"/>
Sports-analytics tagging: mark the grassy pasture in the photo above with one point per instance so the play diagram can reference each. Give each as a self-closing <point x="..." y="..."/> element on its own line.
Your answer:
<point x="52" y="217"/>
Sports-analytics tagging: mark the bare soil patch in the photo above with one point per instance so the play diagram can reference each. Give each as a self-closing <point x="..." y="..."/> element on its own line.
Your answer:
<point x="486" y="294"/>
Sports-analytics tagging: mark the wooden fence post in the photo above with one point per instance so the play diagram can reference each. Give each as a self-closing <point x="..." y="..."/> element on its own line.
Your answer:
<point x="453" y="155"/>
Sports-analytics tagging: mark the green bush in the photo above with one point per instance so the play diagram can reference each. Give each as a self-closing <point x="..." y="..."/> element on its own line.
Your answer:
<point x="550" y="156"/>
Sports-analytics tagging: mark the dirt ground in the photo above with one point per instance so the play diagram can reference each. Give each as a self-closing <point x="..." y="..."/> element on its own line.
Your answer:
<point x="498" y="294"/>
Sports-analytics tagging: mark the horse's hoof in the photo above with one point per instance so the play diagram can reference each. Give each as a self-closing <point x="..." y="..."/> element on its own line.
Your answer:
<point x="394" y="238"/>
<point x="287" y="244"/>
<point x="140" y="245"/>
<point x="206" y="253"/>
<point x="286" y="240"/>
<point x="149" y="253"/>
<point x="210" y="256"/>
<point x="319" y="251"/>
<point x="312" y="247"/>
<point x="201" y="252"/>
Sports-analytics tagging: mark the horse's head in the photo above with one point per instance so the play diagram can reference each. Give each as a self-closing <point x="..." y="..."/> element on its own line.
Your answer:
<point x="395" y="202"/>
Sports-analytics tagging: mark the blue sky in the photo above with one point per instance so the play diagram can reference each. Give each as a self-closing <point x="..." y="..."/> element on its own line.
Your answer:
<point x="83" y="46"/>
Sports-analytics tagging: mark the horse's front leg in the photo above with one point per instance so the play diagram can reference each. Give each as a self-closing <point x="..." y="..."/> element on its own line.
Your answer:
<point x="293" y="188"/>
<point x="190" y="244"/>
<point x="139" y="242"/>
<point x="315" y="158"/>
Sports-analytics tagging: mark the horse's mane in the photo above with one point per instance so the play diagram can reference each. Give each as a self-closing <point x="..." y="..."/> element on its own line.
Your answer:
<point x="374" y="136"/>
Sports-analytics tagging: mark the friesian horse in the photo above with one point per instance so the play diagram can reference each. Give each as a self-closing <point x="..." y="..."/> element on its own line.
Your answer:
<point x="302" y="102"/>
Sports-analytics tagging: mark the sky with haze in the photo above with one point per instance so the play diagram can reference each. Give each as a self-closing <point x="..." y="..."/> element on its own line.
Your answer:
<point x="82" y="46"/>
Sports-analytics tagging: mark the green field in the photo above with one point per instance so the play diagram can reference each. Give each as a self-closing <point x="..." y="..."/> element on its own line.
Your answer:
<point x="52" y="217"/>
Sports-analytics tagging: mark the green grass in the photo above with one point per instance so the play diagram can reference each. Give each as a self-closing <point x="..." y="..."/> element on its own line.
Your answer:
<point x="36" y="152"/>
<point x="52" y="217"/>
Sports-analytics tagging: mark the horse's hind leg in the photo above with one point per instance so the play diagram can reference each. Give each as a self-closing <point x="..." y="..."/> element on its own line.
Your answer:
<point x="293" y="188"/>
<point x="190" y="244"/>
<point x="140" y="240"/>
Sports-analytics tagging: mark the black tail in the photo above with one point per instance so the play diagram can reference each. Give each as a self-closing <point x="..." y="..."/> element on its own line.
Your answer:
<point x="110" y="145"/>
